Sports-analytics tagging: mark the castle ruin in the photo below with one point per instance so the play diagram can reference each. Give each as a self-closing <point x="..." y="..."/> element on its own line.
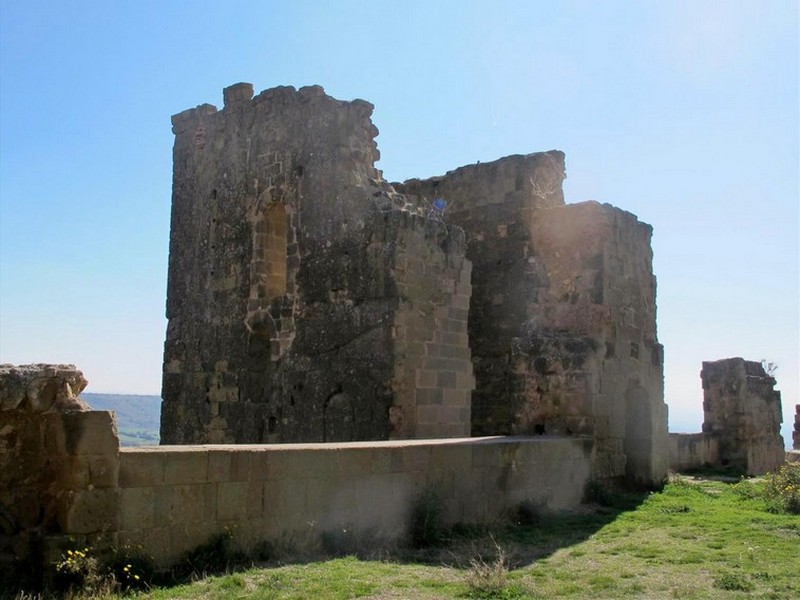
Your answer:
<point x="742" y="421"/>
<point x="311" y="301"/>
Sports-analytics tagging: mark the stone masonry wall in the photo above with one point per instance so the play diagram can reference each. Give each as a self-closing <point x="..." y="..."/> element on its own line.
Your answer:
<point x="693" y="451"/>
<point x="796" y="432"/>
<point x="742" y="407"/>
<point x="65" y="483"/>
<point x="296" y="278"/>
<point x="562" y="318"/>
<point x="173" y="498"/>
<point x="59" y="463"/>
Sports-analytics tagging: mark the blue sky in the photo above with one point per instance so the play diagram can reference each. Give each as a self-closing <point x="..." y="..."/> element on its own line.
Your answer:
<point x="684" y="113"/>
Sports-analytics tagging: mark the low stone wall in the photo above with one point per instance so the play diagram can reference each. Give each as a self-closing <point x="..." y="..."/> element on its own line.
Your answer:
<point x="173" y="498"/>
<point x="65" y="482"/>
<point x="690" y="451"/>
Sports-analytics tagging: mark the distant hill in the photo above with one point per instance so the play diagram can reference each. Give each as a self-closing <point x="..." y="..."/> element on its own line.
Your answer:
<point x="138" y="417"/>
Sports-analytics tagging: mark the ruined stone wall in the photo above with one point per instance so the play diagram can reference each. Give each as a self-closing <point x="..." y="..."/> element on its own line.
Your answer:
<point x="693" y="451"/>
<point x="743" y="409"/>
<point x="562" y="318"/>
<point x="309" y="300"/>
<point x="65" y="483"/>
<point x="59" y="463"/>
<point x="796" y="432"/>
<point x="174" y="498"/>
<point x="296" y="277"/>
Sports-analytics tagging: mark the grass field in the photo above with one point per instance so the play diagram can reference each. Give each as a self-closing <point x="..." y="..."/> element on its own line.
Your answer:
<point x="696" y="539"/>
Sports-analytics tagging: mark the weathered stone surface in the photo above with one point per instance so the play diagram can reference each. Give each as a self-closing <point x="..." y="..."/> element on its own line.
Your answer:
<point x="306" y="297"/>
<point x="796" y="432"/>
<point x="57" y="458"/>
<point x="303" y="492"/>
<point x="562" y="315"/>
<point x="691" y="451"/>
<point x="743" y="409"/>
<point x="41" y="387"/>
<point x="309" y="300"/>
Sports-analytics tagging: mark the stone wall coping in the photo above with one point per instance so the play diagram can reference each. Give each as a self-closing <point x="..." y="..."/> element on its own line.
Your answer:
<point x="474" y="441"/>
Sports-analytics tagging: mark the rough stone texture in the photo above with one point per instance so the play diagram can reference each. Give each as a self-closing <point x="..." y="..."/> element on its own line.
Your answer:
<point x="796" y="432"/>
<point x="41" y="387"/>
<point x="691" y="451"/>
<point x="58" y="460"/>
<point x="64" y="482"/>
<point x="173" y="498"/>
<point x="307" y="300"/>
<point x="743" y="409"/>
<point x="562" y="316"/>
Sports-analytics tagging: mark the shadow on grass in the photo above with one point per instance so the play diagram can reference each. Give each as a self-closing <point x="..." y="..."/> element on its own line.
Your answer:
<point x="531" y="535"/>
<point x="528" y="537"/>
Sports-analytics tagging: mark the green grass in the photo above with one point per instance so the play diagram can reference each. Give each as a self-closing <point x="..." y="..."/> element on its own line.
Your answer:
<point x="696" y="539"/>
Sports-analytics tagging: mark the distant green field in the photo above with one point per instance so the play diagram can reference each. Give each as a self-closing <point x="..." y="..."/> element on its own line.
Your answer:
<point x="138" y="417"/>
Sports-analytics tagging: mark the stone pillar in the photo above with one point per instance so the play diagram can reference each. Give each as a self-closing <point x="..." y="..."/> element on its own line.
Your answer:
<point x="796" y="432"/>
<point x="59" y="465"/>
<point x="742" y="407"/>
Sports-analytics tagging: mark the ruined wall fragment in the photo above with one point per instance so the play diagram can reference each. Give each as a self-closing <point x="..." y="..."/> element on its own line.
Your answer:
<point x="59" y="464"/>
<point x="295" y="274"/>
<point x="562" y="319"/>
<point x="742" y="408"/>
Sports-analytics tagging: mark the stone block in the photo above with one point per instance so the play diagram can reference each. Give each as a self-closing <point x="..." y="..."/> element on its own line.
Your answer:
<point x="415" y="458"/>
<point x="240" y="465"/>
<point x="90" y="432"/>
<point x="232" y="500"/>
<point x="137" y="508"/>
<point x="427" y="415"/>
<point x="486" y="454"/>
<point x="162" y="498"/>
<point x="104" y="471"/>
<point x="306" y="464"/>
<point x="375" y="497"/>
<point x="219" y="466"/>
<point x="354" y="461"/>
<point x="450" y="456"/>
<point x="90" y="511"/>
<point x="158" y="542"/>
<point x="258" y="467"/>
<point x="141" y="468"/>
<point x="329" y="500"/>
<point x="73" y="472"/>
<point x="255" y="500"/>
<point x="285" y="497"/>
<point x="382" y="459"/>
<point x="195" y="503"/>
<point x="426" y="378"/>
<point x="185" y="466"/>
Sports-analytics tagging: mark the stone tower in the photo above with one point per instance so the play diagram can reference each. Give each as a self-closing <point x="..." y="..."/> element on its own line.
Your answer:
<point x="307" y="301"/>
<point x="562" y="323"/>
